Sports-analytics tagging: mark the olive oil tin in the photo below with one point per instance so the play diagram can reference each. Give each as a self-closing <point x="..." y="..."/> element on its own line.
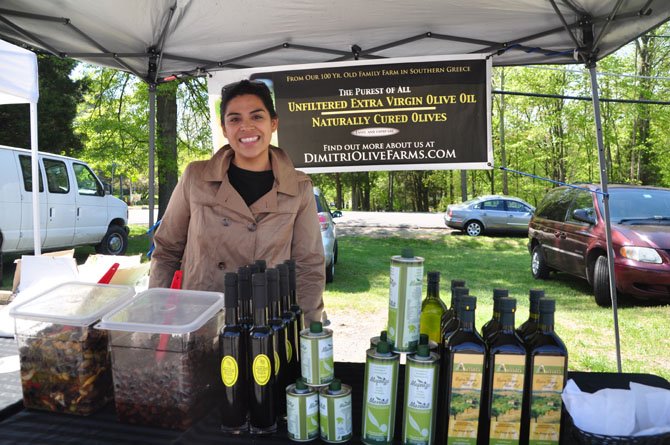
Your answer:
<point x="406" y="277"/>
<point x="302" y="412"/>
<point x="316" y="355"/>
<point x="421" y="376"/>
<point x="335" y="412"/>
<point x="379" y="395"/>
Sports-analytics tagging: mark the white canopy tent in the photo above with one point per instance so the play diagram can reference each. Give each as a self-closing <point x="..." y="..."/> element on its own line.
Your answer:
<point x="18" y="85"/>
<point x="159" y="40"/>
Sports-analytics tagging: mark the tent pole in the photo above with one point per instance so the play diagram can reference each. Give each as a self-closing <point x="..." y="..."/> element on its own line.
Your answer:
<point x="34" y="166"/>
<point x="606" y="208"/>
<point x="152" y="150"/>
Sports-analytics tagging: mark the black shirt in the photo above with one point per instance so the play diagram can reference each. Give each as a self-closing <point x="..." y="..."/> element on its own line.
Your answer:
<point x="249" y="184"/>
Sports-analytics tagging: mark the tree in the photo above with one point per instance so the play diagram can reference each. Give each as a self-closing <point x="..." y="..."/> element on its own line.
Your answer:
<point x="56" y="110"/>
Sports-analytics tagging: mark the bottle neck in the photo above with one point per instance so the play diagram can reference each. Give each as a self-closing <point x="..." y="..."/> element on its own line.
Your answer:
<point x="261" y="316"/>
<point x="275" y="309"/>
<point x="230" y="317"/>
<point x="433" y="290"/>
<point x="546" y="322"/>
<point x="467" y="321"/>
<point x="507" y="321"/>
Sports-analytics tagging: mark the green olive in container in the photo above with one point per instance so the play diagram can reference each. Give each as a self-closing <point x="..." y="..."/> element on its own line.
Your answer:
<point x="165" y="356"/>
<point x="65" y="363"/>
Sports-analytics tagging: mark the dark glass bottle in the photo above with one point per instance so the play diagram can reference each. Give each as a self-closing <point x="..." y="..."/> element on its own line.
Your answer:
<point x="262" y="265"/>
<point x="262" y="414"/>
<point x="245" y="304"/>
<point x="279" y="340"/>
<point x="292" y="334"/>
<point x="233" y="352"/>
<point x="295" y="308"/>
<point x="505" y="372"/>
<point x="529" y="326"/>
<point x="432" y="309"/>
<point x="462" y="378"/>
<point x="491" y="326"/>
<point x="546" y="372"/>
<point x="451" y="310"/>
<point x="452" y="324"/>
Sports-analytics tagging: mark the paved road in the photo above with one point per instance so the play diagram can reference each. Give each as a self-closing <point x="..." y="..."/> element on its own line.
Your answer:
<point x="139" y="215"/>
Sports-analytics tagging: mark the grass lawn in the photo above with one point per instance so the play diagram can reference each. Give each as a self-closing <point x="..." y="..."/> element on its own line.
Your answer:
<point x="362" y="281"/>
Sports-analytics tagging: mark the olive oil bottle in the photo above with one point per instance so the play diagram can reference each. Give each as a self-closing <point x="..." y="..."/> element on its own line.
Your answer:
<point x="291" y="325"/>
<point x="505" y="372"/>
<point x="493" y="324"/>
<point x="462" y="377"/>
<point x="529" y="326"/>
<point x="451" y="310"/>
<point x="245" y="305"/>
<point x="295" y="308"/>
<point x="233" y="351"/>
<point x="432" y="309"/>
<point x="452" y="324"/>
<point x="262" y="414"/>
<point x="546" y="371"/>
<point x="278" y="340"/>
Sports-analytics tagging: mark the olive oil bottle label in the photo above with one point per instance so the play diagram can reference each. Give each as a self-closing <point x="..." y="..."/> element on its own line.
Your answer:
<point x="466" y="391"/>
<point x="261" y="368"/>
<point x="302" y="416"/>
<point x="326" y="365"/>
<point x="420" y="406"/>
<point x="379" y="402"/>
<point x="289" y="351"/>
<point x="545" y="405"/>
<point x="229" y="370"/>
<point x="506" y="399"/>
<point x="404" y="307"/>
<point x="335" y="418"/>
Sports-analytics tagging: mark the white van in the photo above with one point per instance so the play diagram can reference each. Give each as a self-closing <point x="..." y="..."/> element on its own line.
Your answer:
<point x="74" y="209"/>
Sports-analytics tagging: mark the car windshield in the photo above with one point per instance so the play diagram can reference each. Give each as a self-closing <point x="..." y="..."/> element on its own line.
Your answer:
<point x="639" y="206"/>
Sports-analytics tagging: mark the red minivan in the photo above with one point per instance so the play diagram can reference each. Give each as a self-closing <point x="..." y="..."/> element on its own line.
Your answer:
<point x="567" y="234"/>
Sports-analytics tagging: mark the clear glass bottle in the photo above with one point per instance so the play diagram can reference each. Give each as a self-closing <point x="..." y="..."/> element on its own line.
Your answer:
<point x="432" y="309"/>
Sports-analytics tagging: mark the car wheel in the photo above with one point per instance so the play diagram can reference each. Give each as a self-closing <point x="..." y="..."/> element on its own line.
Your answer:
<point x="335" y="253"/>
<point x="474" y="228"/>
<point x="538" y="267"/>
<point x="330" y="272"/>
<point x="601" y="282"/>
<point x="115" y="241"/>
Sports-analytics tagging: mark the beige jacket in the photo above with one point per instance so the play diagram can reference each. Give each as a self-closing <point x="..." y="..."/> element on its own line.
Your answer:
<point x="208" y="230"/>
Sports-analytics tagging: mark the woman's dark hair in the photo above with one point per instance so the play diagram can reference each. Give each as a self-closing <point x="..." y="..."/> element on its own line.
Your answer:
<point x="255" y="87"/>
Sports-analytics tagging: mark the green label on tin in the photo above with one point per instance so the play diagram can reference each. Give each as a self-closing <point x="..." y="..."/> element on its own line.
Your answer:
<point x="335" y="418"/>
<point x="545" y="409"/>
<point x="506" y="399"/>
<point x="326" y="365"/>
<point x="302" y="416"/>
<point x="419" y="405"/>
<point x="404" y="306"/>
<point x="379" y="402"/>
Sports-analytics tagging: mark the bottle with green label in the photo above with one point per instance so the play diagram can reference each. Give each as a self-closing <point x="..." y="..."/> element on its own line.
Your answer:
<point x="529" y="326"/>
<point x="491" y="326"/>
<point x="462" y="377"/>
<point x="432" y="308"/>
<point x="421" y="378"/>
<point x="546" y="371"/>
<point x="291" y="325"/>
<point x="451" y="311"/>
<point x="233" y="347"/>
<point x="505" y="372"/>
<point x="262" y="414"/>
<point x="279" y="340"/>
<point x="379" y="395"/>
<point x="453" y="322"/>
<point x="244" y="297"/>
<point x="404" y="313"/>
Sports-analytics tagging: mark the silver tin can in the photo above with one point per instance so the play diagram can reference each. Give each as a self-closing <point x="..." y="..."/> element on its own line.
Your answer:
<point x="302" y="412"/>
<point x="335" y="412"/>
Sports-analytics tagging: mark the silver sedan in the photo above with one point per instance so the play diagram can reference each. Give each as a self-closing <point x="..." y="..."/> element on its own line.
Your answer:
<point x="492" y="213"/>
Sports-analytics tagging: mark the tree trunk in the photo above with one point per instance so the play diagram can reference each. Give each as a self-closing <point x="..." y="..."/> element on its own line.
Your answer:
<point x="503" y="155"/>
<point x="166" y="143"/>
<point x="339" y="199"/>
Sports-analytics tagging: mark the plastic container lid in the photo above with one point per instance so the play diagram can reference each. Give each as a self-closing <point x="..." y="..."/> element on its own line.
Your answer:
<point x="73" y="303"/>
<point x="164" y="311"/>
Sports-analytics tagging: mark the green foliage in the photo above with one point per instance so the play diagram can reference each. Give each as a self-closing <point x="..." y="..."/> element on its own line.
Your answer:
<point x="461" y="402"/>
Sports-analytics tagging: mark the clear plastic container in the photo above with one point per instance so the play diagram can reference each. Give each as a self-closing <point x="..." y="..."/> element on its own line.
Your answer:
<point x="65" y="363"/>
<point x="165" y="356"/>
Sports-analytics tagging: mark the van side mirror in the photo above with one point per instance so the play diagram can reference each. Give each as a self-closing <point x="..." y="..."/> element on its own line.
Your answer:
<point x="584" y="215"/>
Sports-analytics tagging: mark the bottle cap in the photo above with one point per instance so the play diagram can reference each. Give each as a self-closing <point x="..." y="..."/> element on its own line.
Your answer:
<point x="547" y="305"/>
<point x="244" y="273"/>
<point x="335" y="385"/>
<point x="407" y="253"/>
<point x="433" y="277"/>
<point x="457" y="283"/>
<point x="316" y="327"/>
<point x="423" y="351"/>
<point x="383" y="347"/>
<point x="300" y="384"/>
<point x="535" y="294"/>
<point x="498" y="293"/>
<point x="230" y="290"/>
<point x="468" y="302"/>
<point x="423" y="339"/>
<point x="460" y="291"/>
<point x="272" y="276"/>
<point x="283" y="279"/>
<point x="262" y="265"/>
<point x="253" y="268"/>
<point x="507" y="304"/>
